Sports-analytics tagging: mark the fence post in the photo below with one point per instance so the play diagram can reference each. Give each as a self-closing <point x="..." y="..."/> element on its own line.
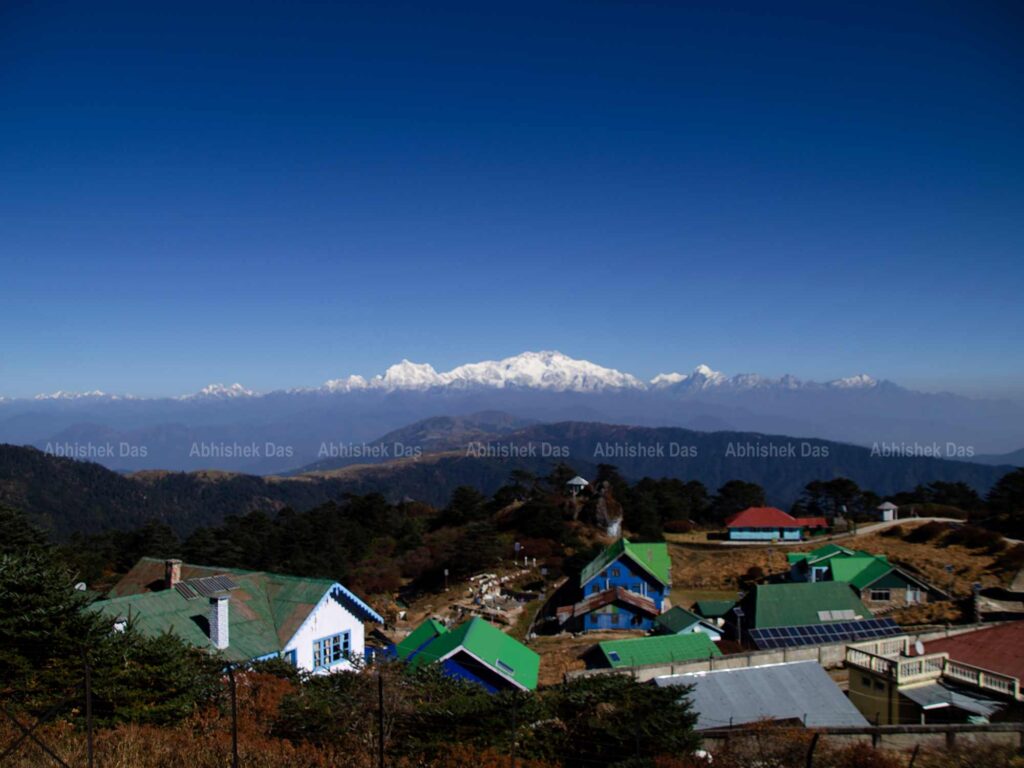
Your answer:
<point x="810" y="749"/>
<point x="515" y="726"/>
<point x="88" y="711"/>
<point x="913" y="756"/>
<point x="380" y="718"/>
<point x="234" y="717"/>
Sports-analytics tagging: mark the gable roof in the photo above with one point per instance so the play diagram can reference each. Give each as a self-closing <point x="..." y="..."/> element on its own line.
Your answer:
<point x="652" y="557"/>
<point x="714" y="609"/>
<point x="761" y="517"/>
<point x="607" y="597"/>
<point x="490" y="646"/>
<point x="821" y="553"/>
<point x="801" y="603"/>
<point x="799" y="690"/>
<point x="658" y="649"/>
<point x="678" y="619"/>
<point x="419" y="638"/>
<point x="859" y="570"/>
<point x="265" y="610"/>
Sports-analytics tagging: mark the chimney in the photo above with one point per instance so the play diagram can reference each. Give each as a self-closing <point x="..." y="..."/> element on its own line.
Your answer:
<point x="172" y="572"/>
<point x="219" y="621"/>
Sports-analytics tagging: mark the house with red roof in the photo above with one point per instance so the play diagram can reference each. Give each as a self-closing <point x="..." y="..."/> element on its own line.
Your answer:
<point x="769" y="524"/>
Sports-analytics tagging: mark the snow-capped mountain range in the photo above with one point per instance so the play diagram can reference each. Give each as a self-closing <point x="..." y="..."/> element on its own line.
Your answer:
<point x="232" y="427"/>
<point x="549" y="370"/>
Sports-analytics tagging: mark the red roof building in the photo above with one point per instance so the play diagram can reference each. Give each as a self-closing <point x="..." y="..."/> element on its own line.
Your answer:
<point x="997" y="649"/>
<point x="768" y="523"/>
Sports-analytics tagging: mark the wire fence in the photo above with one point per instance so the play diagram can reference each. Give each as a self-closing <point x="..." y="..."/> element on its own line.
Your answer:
<point x="796" y="745"/>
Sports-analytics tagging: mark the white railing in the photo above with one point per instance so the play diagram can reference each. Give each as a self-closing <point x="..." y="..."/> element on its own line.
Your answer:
<point x="932" y="666"/>
<point x="918" y="668"/>
<point x="983" y="678"/>
<point x="890" y="647"/>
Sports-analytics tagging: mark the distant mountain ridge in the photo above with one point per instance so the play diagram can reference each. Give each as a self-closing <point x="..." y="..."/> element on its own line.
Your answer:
<point x="549" y="370"/>
<point x="236" y="429"/>
<point x="66" y="495"/>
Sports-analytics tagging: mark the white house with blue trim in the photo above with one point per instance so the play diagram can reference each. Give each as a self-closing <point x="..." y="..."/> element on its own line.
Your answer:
<point x="316" y="624"/>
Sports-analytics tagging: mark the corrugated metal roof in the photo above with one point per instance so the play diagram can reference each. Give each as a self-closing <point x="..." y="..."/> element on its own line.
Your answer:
<point x="797" y="691"/>
<point x="661" y="649"/>
<point x="796" y="604"/>
<point x="488" y="644"/>
<point x="266" y="609"/>
<point x="940" y="696"/>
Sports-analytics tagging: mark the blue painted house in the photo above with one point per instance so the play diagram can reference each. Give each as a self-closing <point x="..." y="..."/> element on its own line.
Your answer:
<point x="475" y="651"/>
<point x="622" y="588"/>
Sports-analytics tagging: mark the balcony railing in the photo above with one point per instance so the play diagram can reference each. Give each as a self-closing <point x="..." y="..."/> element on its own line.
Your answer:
<point x="904" y="670"/>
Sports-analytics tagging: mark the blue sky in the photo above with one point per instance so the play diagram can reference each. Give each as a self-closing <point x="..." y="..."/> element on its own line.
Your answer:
<point x="282" y="194"/>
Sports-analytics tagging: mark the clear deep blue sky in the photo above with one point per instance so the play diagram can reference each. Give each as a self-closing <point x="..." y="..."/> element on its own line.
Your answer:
<point x="283" y="194"/>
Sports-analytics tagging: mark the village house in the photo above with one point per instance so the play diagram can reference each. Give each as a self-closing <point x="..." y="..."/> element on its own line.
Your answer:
<point x="316" y="624"/>
<point x="887" y="512"/>
<point x="811" y="613"/>
<point x="625" y="587"/>
<point x="679" y="621"/>
<point x="969" y="677"/>
<point x="475" y="651"/>
<point x="796" y="693"/>
<point x="648" y="651"/>
<point x="879" y="584"/>
<point x="771" y="524"/>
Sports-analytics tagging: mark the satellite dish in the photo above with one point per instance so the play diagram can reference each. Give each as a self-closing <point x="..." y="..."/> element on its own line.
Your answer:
<point x="919" y="648"/>
<point x="80" y="586"/>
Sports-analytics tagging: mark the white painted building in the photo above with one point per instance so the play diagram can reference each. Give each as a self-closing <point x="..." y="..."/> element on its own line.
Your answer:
<point x="316" y="624"/>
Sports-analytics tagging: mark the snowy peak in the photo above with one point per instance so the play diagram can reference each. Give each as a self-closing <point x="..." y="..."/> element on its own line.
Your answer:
<point x="534" y="370"/>
<point x="541" y="370"/>
<point x="860" y="381"/>
<point x="702" y="377"/>
<point x="62" y="395"/>
<point x="220" y="392"/>
<point x="545" y="370"/>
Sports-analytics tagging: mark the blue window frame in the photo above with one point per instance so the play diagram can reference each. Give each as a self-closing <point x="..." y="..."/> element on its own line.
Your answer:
<point x="328" y="651"/>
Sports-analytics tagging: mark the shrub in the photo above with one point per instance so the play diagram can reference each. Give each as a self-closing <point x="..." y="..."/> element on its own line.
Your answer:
<point x="679" y="526"/>
<point x="926" y="532"/>
<point x="973" y="537"/>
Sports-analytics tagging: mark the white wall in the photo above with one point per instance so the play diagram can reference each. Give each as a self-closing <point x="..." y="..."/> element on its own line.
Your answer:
<point x="328" y="618"/>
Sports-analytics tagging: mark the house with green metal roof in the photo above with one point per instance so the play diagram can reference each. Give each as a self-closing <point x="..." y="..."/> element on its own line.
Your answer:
<point x="475" y="651"/>
<point x="713" y="609"/>
<point x="316" y="624"/>
<point x="800" y="604"/>
<point x="878" y="583"/>
<point x="649" y="651"/>
<point x="624" y="587"/>
<point x="679" y="621"/>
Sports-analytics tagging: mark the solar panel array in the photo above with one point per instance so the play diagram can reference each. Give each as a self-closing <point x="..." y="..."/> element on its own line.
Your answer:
<point x="206" y="586"/>
<point x="819" y="634"/>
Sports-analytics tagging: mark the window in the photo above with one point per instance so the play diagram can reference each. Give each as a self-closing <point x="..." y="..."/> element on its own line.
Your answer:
<point x="865" y="681"/>
<point x="879" y="686"/>
<point x="593" y="618"/>
<point x="615" y="618"/>
<point x="330" y="650"/>
<point x="614" y="572"/>
<point x="880" y="594"/>
<point x="613" y="656"/>
<point x="504" y="667"/>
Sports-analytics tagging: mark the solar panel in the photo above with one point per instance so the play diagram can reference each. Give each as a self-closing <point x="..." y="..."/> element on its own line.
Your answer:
<point x="205" y="586"/>
<point x="818" y="634"/>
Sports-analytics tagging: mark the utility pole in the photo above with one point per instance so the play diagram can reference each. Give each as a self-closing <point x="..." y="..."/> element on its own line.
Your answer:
<point x="380" y="718"/>
<point x="234" y="717"/>
<point x="515" y="726"/>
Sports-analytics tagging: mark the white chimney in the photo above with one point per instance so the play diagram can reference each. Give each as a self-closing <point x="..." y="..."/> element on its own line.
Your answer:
<point x="219" y="621"/>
